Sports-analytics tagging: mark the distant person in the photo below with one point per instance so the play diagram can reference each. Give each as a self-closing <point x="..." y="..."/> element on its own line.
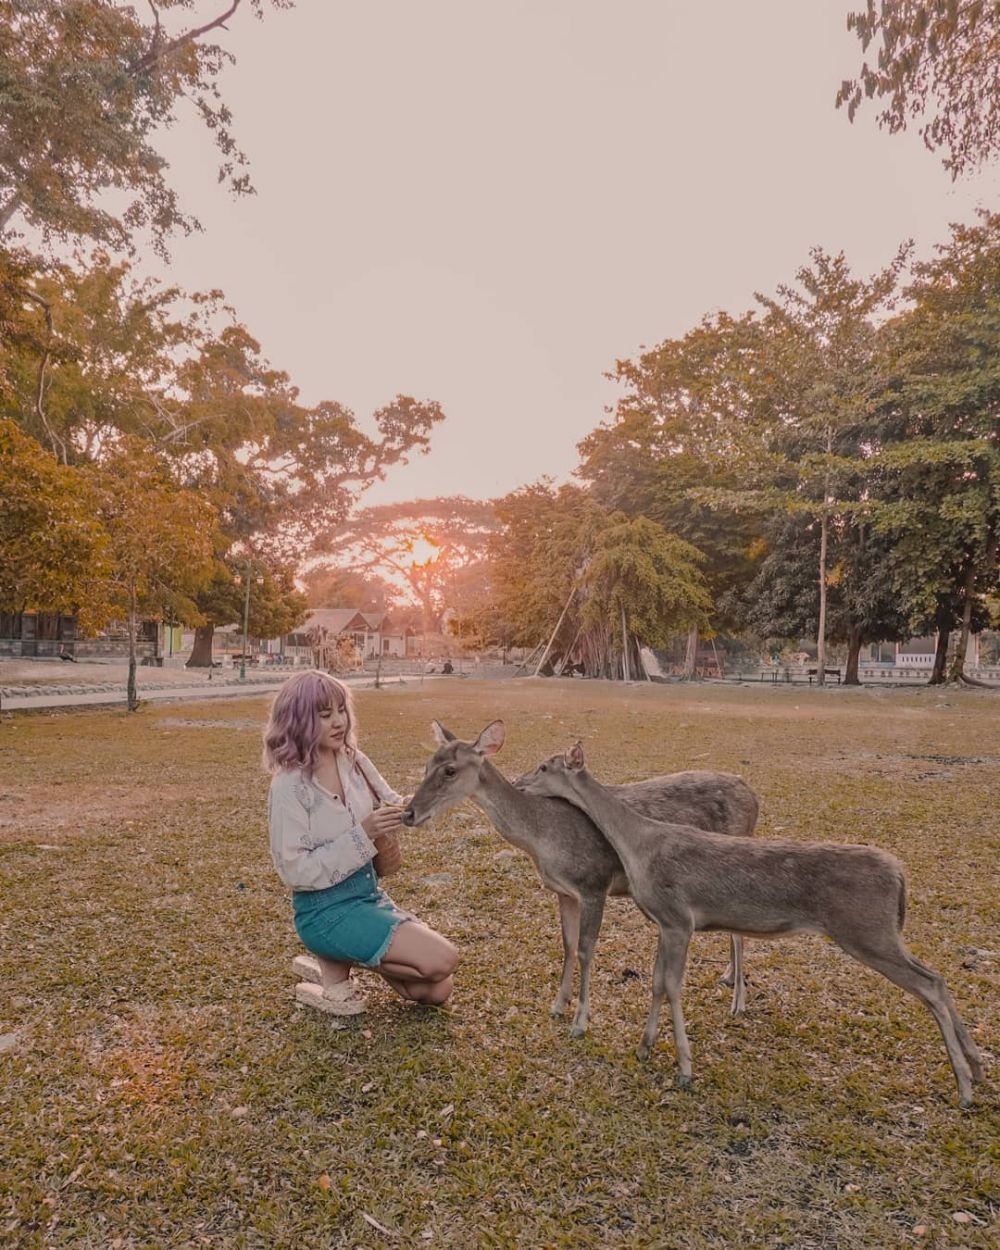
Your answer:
<point x="330" y="814"/>
<point x="447" y="667"/>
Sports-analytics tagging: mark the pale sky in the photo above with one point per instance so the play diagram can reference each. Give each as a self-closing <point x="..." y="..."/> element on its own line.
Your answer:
<point x="488" y="203"/>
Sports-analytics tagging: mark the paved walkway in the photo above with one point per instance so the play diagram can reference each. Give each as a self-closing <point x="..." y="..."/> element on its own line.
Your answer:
<point x="28" y="698"/>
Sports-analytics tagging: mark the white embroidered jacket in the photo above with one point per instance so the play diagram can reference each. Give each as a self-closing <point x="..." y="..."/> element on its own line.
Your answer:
<point x="317" y="841"/>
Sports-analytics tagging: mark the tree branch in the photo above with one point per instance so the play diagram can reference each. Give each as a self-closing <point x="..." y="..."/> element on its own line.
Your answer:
<point x="58" y="444"/>
<point x="157" y="50"/>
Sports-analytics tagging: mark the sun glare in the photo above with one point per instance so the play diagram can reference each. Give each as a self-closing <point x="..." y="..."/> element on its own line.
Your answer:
<point x="423" y="551"/>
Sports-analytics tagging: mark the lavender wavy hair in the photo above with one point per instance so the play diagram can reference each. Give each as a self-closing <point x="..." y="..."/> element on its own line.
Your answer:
<point x="294" y="730"/>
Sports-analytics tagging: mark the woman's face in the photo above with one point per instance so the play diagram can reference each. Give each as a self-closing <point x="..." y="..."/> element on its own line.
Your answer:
<point x="334" y="727"/>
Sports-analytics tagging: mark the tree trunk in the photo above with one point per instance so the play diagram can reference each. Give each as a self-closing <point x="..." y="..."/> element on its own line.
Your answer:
<point x="821" y="632"/>
<point x="201" y="652"/>
<point x="938" y="672"/>
<point x="626" y="673"/>
<point x="132" y="697"/>
<point x="851" y="677"/>
<point x="958" y="664"/>
<point x="691" y="655"/>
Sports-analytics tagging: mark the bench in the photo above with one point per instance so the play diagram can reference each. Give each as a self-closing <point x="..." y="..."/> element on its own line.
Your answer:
<point x="830" y="672"/>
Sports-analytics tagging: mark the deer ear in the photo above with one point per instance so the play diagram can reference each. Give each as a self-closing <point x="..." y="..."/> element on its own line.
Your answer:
<point x="491" y="739"/>
<point x="574" y="756"/>
<point x="441" y="735"/>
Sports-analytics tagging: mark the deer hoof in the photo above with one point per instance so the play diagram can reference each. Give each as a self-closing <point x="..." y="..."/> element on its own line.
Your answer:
<point x="556" y="1011"/>
<point x="643" y="1051"/>
<point x="578" y="1030"/>
<point x="684" y="1081"/>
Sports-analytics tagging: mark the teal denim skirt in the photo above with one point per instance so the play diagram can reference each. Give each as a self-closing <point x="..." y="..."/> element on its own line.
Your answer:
<point x="352" y="921"/>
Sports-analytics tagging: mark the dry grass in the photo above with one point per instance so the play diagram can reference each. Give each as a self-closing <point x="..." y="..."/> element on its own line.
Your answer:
<point x="162" y="1091"/>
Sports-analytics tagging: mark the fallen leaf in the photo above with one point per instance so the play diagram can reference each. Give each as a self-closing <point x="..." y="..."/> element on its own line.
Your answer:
<point x="852" y="1189"/>
<point x="324" y="1182"/>
<point x="445" y="1111"/>
<point x="367" y="1087"/>
<point x="961" y="1217"/>
<point x="919" y="1230"/>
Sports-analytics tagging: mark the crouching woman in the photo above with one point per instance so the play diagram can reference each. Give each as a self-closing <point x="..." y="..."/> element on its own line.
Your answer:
<point x="330" y="814"/>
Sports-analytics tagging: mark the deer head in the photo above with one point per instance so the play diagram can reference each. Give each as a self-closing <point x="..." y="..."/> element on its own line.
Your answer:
<point x="453" y="771"/>
<point x="554" y="777"/>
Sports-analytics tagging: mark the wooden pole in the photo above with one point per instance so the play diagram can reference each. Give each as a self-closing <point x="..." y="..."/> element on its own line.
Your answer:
<point x="545" y="653"/>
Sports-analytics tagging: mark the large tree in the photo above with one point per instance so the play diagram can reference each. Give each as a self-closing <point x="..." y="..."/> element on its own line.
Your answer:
<point x="435" y="547"/>
<point x="669" y="438"/>
<point x="571" y="578"/>
<point x="84" y="87"/>
<point x="937" y="61"/>
<point x="864" y="604"/>
<point x="937" y="492"/>
<point x="159" y="543"/>
<point x="811" y="371"/>
<point x="101" y="356"/>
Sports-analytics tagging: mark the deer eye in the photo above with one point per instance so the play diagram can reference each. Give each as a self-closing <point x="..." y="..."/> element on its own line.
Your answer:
<point x="450" y="770"/>
<point x="543" y="768"/>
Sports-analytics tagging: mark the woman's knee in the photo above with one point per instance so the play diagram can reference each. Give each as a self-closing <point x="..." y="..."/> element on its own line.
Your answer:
<point x="436" y="993"/>
<point x="443" y="962"/>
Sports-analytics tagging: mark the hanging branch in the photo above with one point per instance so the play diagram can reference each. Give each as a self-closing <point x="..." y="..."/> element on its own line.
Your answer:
<point x="58" y="444"/>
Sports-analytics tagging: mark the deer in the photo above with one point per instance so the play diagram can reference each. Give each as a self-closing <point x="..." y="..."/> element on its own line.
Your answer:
<point x="572" y="858"/>
<point x="687" y="880"/>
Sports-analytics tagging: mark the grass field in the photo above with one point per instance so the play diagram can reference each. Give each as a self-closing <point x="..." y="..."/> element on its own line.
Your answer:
<point x="159" y="1089"/>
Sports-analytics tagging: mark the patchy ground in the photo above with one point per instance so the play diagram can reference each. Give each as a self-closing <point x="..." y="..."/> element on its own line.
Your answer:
<point x="160" y="1089"/>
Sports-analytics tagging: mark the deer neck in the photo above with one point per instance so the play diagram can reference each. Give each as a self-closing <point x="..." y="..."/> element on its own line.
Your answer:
<point x="510" y="811"/>
<point x="616" y="822"/>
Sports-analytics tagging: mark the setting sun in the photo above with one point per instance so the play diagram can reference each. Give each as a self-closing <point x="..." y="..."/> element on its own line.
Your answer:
<point x="423" y="551"/>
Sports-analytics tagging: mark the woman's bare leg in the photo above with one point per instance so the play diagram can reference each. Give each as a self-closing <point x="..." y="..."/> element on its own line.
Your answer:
<point x="333" y="971"/>
<point x="419" y="964"/>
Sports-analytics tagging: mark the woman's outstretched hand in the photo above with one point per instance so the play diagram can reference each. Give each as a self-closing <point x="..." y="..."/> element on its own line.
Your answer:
<point x="381" y="821"/>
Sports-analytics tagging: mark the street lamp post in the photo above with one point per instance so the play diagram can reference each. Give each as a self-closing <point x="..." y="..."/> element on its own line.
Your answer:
<point x="246" y="623"/>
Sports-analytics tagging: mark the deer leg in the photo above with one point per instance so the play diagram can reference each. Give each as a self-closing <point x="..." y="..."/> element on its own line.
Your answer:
<point x="653" y="1019"/>
<point x="675" y="949"/>
<point x="734" y="975"/>
<point x="591" y="913"/>
<point x="569" y="921"/>
<point x="899" y="966"/>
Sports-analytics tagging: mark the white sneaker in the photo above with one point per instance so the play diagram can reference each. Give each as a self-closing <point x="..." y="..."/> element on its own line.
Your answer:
<point x="339" y="1000"/>
<point x="306" y="968"/>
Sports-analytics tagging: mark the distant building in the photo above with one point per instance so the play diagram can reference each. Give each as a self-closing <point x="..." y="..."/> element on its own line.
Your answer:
<point x="371" y="633"/>
<point x="40" y="634"/>
<point x="914" y="653"/>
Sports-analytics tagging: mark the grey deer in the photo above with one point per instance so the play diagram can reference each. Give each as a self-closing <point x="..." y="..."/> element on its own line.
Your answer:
<point x="687" y="880"/>
<point x="571" y="856"/>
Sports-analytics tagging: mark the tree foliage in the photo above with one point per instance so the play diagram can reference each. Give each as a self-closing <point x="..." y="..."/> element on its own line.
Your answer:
<point x="53" y="548"/>
<point x="939" y="61"/>
<point x="84" y="87"/>
<point x="435" y="547"/>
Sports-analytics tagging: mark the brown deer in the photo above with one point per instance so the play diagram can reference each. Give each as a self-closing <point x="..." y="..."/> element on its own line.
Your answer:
<point x="572" y="858"/>
<point x="686" y="880"/>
